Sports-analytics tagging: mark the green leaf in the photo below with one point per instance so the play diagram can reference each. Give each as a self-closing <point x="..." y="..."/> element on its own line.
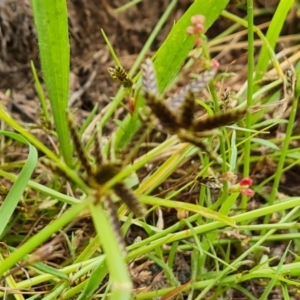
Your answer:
<point x="51" y="21"/>
<point x="273" y="33"/>
<point x="16" y="191"/>
<point x="50" y="270"/>
<point x="265" y="143"/>
<point x="297" y="87"/>
<point x="93" y="282"/>
<point x="269" y="122"/>
<point x="174" y="51"/>
<point x="202" y="211"/>
<point x="115" y="262"/>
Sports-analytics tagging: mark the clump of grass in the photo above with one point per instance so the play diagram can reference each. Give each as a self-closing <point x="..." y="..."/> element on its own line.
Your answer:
<point x="198" y="215"/>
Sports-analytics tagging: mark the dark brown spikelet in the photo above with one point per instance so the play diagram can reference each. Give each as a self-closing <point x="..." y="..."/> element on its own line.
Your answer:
<point x="219" y="120"/>
<point x="289" y="85"/>
<point x="195" y="86"/>
<point x="210" y="181"/>
<point x="149" y="78"/>
<point x="104" y="173"/>
<point x="130" y="199"/>
<point x="98" y="154"/>
<point x="79" y="147"/>
<point x="119" y="75"/>
<point x="109" y="206"/>
<point x="225" y="99"/>
<point x="187" y="110"/>
<point x="166" y="117"/>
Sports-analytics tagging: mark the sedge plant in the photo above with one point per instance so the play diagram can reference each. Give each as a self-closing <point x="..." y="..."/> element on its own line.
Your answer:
<point x="213" y="225"/>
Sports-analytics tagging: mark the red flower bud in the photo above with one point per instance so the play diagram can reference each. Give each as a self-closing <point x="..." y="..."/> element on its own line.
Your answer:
<point x="247" y="192"/>
<point x="198" y="28"/>
<point x="246" y="182"/>
<point x="215" y="64"/>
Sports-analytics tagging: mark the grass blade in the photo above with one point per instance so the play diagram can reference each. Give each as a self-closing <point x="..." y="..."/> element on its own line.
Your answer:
<point x="16" y="191"/>
<point x="172" y="54"/>
<point x="273" y="33"/>
<point x="51" y="23"/>
<point x="121" y="283"/>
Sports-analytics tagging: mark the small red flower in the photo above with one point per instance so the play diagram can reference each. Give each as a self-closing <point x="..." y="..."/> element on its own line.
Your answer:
<point x="246" y="182"/>
<point x="242" y="187"/>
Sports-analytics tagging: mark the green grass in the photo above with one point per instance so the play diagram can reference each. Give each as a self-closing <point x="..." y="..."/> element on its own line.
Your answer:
<point x="229" y="244"/>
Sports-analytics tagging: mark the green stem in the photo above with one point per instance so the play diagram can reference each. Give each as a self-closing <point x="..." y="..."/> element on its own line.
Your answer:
<point x="247" y="146"/>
